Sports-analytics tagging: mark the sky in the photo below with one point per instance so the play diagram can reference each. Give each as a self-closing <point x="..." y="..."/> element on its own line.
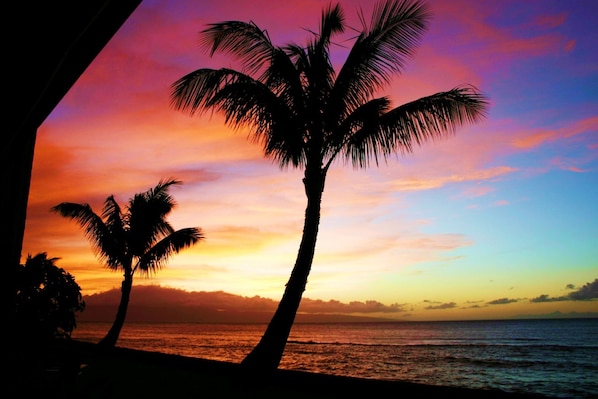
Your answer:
<point x="499" y="221"/>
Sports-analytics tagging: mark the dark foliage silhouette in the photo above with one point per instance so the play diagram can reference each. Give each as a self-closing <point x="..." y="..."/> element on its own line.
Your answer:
<point x="46" y="301"/>
<point x="136" y="240"/>
<point x="307" y="114"/>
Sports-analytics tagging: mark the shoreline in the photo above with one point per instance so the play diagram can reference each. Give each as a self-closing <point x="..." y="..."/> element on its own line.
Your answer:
<point x="124" y="372"/>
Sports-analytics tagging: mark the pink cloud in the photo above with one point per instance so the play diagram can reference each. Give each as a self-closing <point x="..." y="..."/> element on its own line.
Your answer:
<point x="538" y="138"/>
<point x="564" y="164"/>
<point x="550" y="21"/>
<point x="478" y="191"/>
<point x="465" y="30"/>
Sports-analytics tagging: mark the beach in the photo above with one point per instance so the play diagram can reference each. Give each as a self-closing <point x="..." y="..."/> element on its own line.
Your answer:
<point x="126" y="373"/>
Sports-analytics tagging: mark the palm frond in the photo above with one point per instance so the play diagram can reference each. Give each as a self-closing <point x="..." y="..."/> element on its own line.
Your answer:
<point x="112" y="214"/>
<point x="284" y="76"/>
<point x="245" y="103"/>
<point x="83" y="214"/>
<point x="379" y="52"/>
<point x="272" y="122"/>
<point x="417" y="122"/>
<point x="356" y="135"/>
<point x="147" y="213"/>
<point x="396" y="29"/>
<point x="321" y="74"/>
<point x="333" y="21"/>
<point x="195" y="91"/>
<point x="113" y="244"/>
<point x="160" y="191"/>
<point x="157" y="256"/>
<point x="242" y="39"/>
<point x="101" y="235"/>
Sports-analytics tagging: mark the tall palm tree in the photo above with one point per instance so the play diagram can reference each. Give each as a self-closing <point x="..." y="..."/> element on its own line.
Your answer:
<point x="140" y="239"/>
<point x="307" y="115"/>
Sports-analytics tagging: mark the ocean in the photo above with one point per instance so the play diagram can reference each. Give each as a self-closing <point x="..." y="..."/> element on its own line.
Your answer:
<point x="555" y="357"/>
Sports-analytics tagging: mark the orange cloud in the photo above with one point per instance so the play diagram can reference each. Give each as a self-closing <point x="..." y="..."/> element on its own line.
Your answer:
<point x="416" y="184"/>
<point x="444" y="242"/>
<point x="534" y="139"/>
<point x="246" y="239"/>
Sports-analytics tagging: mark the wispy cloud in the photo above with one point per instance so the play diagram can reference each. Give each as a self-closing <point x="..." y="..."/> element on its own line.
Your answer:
<point x="415" y="184"/>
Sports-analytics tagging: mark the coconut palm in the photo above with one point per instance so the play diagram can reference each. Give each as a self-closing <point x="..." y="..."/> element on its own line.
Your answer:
<point x="137" y="240"/>
<point x="306" y="114"/>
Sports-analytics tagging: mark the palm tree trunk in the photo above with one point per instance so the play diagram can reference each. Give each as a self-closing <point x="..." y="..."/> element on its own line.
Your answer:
<point x="111" y="337"/>
<point x="267" y="354"/>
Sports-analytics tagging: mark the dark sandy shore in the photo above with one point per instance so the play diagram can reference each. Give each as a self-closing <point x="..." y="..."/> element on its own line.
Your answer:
<point x="128" y="373"/>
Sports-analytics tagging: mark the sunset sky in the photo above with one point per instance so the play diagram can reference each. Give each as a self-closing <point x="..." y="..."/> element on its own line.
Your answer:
<point x="499" y="221"/>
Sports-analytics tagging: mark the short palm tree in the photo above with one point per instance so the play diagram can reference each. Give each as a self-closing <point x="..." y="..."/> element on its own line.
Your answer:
<point x="306" y="114"/>
<point x="138" y="240"/>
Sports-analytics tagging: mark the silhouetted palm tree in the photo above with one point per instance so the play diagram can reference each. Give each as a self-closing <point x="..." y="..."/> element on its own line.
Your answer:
<point x="139" y="239"/>
<point x="306" y="114"/>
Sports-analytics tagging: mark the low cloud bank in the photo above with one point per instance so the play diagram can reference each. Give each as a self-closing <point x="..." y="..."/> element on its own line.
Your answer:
<point x="585" y="293"/>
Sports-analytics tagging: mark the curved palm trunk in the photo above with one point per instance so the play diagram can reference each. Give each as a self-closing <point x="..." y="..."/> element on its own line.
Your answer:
<point x="112" y="336"/>
<point x="267" y="354"/>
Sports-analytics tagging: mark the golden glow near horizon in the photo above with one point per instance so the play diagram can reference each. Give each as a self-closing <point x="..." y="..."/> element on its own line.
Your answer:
<point x="475" y="226"/>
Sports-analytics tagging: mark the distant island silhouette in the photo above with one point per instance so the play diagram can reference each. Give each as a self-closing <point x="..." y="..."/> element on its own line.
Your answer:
<point x="157" y="304"/>
<point x="154" y="304"/>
